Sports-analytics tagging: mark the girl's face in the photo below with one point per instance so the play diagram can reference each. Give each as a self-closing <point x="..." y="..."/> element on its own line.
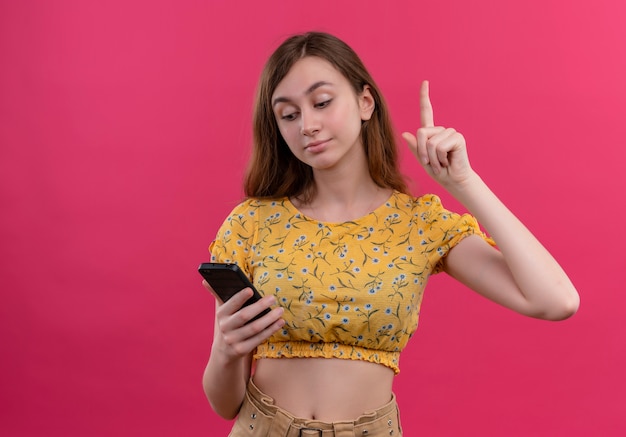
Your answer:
<point x="319" y="115"/>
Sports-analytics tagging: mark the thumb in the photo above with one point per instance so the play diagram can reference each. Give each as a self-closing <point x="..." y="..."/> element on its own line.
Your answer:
<point x="215" y="295"/>
<point x="411" y="141"/>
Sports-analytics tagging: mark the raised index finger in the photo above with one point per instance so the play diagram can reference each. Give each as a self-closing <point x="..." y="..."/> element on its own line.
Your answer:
<point x="426" y="108"/>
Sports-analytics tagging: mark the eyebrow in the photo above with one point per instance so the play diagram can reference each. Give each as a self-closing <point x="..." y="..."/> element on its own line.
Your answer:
<point x="309" y="90"/>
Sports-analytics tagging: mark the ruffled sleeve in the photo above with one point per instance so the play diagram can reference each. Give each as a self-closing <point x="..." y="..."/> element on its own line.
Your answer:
<point x="234" y="241"/>
<point x="443" y="229"/>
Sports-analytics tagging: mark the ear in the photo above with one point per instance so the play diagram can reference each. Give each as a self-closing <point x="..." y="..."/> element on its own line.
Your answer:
<point x="366" y="103"/>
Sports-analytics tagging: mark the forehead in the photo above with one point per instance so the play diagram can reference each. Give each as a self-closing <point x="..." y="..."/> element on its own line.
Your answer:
<point x="305" y="73"/>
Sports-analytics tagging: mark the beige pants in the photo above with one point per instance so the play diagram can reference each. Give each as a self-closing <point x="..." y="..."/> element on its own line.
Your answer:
<point x="259" y="417"/>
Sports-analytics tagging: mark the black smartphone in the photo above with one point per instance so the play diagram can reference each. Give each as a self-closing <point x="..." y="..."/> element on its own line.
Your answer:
<point x="227" y="280"/>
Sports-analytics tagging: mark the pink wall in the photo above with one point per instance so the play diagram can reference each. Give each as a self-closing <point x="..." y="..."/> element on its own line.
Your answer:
<point x="124" y="129"/>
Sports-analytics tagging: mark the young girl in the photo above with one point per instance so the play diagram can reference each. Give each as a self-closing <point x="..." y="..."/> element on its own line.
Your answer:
<point x="341" y="251"/>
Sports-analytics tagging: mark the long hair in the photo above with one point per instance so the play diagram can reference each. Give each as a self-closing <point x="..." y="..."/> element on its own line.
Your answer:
<point x="273" y="171"/>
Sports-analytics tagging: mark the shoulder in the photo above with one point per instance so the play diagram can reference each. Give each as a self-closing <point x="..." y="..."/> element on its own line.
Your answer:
<point x="416" y="205"/>
<point x="252" y="207"/>
<point x="427" y="211"/>
<point x="240" y="229"/>
<point x="257" y="212"/>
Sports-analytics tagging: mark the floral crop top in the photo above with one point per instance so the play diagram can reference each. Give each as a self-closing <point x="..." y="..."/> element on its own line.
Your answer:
<point x="350" y="290"/>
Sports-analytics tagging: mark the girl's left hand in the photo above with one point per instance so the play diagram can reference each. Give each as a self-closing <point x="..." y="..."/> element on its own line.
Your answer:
<point x="441" y="151"/>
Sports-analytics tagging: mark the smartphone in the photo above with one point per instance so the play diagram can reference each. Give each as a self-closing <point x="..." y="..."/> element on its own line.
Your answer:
<point x="228" y="280"/>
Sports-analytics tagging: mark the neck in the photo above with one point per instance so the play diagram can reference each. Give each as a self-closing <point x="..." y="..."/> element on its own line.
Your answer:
<point x="342" y="189"/>
<point x="344" y="195"/>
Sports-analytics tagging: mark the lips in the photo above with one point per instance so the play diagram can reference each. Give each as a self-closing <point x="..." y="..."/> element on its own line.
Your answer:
<point x="316" y="146"/>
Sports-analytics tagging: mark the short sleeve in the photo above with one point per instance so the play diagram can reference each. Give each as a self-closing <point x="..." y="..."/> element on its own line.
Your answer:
<point x="444" y="229"/>
<point x="235" y="238"/>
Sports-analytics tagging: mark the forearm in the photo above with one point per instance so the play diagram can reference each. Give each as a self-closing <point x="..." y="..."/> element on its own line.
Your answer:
<point x="539" y="278"/>
<point x="225" y="382"/>
<point x="235" y="338"/>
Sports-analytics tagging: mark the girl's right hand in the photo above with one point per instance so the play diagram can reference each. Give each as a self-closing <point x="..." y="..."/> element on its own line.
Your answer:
<point x="441" y="151"/>
<point x="233" y="337"/>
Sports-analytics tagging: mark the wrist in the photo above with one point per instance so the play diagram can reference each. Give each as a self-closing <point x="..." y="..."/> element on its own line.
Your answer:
<point x="223" y="356"/>
<point x="466" y="187"/>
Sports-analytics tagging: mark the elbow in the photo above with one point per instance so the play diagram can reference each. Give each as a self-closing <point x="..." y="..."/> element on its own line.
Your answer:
<point x="568" y="309"/>
<point x="219" y="407"/>
<point x="223" y="413"/>
<point x="565" y="308"/>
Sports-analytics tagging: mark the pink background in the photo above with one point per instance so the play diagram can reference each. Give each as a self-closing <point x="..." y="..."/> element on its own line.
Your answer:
<point x="124" y="130"/>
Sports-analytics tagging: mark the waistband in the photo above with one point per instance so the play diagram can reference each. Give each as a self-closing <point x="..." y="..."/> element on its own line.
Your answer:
<point x="305" y="349"/>
<point x="382" y="421"/>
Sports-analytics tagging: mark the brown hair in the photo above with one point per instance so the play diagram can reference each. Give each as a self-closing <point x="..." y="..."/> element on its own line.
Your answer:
<point x="273" y="171"/>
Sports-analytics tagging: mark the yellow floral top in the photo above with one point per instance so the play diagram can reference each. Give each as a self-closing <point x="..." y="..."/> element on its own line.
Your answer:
<point x="350" y="290"/>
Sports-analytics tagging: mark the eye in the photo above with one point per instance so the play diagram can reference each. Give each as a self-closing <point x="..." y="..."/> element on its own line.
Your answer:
<point x="289" y="117"/>
<point x="323" y="104"/>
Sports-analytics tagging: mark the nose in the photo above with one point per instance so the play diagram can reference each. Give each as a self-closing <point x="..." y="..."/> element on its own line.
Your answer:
<point x="310" y="124"/>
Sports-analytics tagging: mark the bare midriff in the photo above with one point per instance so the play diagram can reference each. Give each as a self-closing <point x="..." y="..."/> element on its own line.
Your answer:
<point x="325" y="389"/>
